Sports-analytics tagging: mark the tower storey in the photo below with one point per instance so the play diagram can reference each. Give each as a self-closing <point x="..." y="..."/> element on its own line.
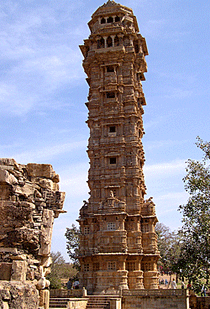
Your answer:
<point x="118" y="243"/>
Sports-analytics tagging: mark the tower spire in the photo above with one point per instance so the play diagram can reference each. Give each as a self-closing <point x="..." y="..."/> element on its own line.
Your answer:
<point x="118" y="244"/>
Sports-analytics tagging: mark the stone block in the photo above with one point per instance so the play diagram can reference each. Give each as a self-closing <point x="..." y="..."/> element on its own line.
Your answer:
<point x="18" y="295"/>
<point x="5" y="271"/>
<point x="8" y="161"/>
<point x="5" y="191"/>
<point x="6" y="177"/>
<point x="19" y="269"/>
<point x="26" y="190"/>
<point x="40" y="170"/>
<point x="9" y="250"/>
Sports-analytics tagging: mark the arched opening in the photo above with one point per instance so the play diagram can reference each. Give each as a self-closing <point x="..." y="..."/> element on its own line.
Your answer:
<point x="109" y="41"/>
<point x="110" y="20"/>
<point x="112" y="129"/>
<point x="100" y="43"/>
<point x="116" y="41"/>
<point x="139" y="102"/>
<point x="103" y="20"/>
<point x="136" y="46"/>
<point x="110" y="68"/>
<point x="110" y="95"/>
<point x="117" y="18"/>
<point x="112" y="160"/>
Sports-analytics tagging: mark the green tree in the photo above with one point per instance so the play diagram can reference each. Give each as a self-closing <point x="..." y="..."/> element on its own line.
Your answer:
<point x="194" y="260"/>
<point x="60" y="270"/>
<point x="168" y="245"/>
<point x="72" y="244"/>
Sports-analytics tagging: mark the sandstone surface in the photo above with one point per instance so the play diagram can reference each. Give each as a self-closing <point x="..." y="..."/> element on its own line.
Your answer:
<point x="29" y="201"/>
<point x="118" y="243"/>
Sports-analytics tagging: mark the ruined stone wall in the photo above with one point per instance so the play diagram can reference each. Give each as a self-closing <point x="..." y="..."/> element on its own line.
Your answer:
<point x="29" y="201"/>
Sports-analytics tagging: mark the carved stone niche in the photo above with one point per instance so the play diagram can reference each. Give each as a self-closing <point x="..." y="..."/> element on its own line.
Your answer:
<point x="29" y="201"/>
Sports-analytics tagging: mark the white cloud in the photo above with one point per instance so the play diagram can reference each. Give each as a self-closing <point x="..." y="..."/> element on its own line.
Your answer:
<point x="36" y="57"/>
<point x="35" y="154"/>
<point x="166" y="168"/>
<point x="163" y="143"/>
<point x="169" y="203"/>
<point x="175" y="196"/>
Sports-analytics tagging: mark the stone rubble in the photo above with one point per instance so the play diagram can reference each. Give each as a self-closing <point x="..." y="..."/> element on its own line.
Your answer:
<point x="29" y="201"/>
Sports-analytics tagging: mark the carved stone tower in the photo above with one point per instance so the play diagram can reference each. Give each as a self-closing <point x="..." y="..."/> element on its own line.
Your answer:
<point x="118" y="243"/>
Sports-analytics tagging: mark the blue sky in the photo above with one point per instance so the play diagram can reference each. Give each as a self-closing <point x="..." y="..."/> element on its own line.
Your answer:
<point x="43" y="91"/>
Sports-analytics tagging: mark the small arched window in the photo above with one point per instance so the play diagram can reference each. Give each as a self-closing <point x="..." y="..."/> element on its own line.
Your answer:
<point x="109" y="42"/>
<point x="117" y="18"/>
<point x="136" y="46"/>
<point x="110" y="20"/>
<point x="116" y="41"/>
<point x="103" y="20"/>
<point x="100" y="43"/>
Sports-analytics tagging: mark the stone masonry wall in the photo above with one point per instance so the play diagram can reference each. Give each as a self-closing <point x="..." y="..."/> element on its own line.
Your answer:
<point x="153" y="299"/>
<point x="29" y="201"/>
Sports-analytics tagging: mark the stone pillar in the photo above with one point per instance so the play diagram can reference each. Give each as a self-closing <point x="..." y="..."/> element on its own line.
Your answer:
<point x="122" y="274"/>
<point x="151" y="280"/>
<point x="105" y="42"/>
<point x="139" y="279"/>
<point x="120" y="36"/>
<point x="112" y="36"/>
<point x="44" y="299"/>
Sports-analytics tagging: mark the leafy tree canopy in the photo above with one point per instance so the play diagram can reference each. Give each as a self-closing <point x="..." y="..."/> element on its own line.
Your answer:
<point x="72" y="244"/>
<point x="194" y="260"/>
<point x="168" y="245"/>
<point x="60" y="270"/>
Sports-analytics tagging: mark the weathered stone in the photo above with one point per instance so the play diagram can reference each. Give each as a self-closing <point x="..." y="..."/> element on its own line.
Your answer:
<point x="40" y="170"/>
<point x="9" y="250"/>
<point x="152" y="299"/>
<point x="5" y="177"/>
<point x="19" y="269"/>
<point x="16" y="295"/>
<point x="8" y="162"/>
<point x="29" y="202"/>
<point x="25" y="191"/>
<point x="118" y="243"/>
<point x="46" y="184"/>
<point x="45" y="296"/>
<point x="46" y="235"/>
<point x="5" y="271"/>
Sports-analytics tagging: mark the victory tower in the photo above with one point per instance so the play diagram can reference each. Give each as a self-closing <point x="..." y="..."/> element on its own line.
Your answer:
<point x="118" y="243"/>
